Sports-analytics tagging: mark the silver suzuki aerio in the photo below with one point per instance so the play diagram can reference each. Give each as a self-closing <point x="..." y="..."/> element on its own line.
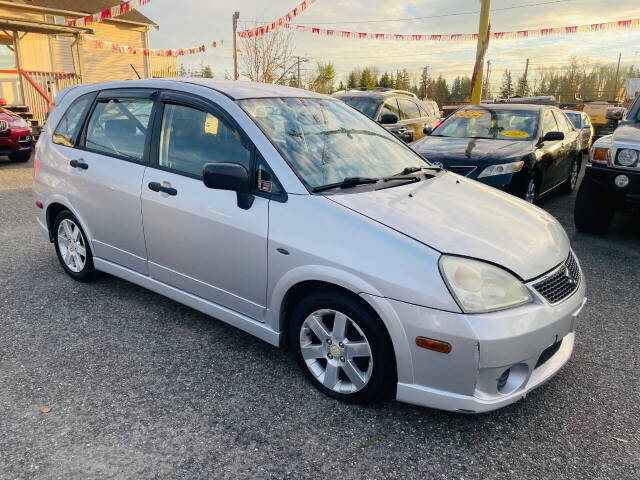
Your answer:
<point x="297" y="219"/>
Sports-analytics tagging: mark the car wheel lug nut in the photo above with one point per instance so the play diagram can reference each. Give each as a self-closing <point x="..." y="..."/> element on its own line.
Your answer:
<point x="328" y="341"/>
<point x="341" y="345"/>
<point x="329" y="356"/>
<point x="342" y="359"/>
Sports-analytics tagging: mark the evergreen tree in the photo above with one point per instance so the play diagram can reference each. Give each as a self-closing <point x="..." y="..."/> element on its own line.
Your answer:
<point x="367" y="81"/>
<point x="385" y="81"/>
<point x="424" y="82"/>
<point x="507" y="91"/>
<point x="352" y="81"/>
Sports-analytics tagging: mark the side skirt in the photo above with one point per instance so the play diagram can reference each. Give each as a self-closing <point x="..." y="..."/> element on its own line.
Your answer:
<point x="219" y="312"/>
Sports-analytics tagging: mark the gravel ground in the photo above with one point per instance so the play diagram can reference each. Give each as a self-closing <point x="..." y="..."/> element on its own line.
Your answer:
<point x="142" y="387"/>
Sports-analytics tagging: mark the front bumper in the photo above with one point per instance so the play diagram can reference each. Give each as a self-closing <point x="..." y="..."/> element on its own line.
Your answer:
<point x="15" y="140"/>
<point x="531" y="342"/>
<point x="605" y="176"/>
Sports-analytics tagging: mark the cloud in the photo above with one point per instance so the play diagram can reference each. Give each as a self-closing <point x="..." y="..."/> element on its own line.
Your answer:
<point x="202" y="21"/>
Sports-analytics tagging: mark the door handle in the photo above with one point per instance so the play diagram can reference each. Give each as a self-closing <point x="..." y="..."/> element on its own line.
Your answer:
<point x="158" y="187"/>
<point x="78" y="164"/>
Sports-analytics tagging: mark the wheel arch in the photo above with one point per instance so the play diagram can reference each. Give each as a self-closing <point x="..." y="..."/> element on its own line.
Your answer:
<point x="294" y="287"/>
<point x="53" y="209"/>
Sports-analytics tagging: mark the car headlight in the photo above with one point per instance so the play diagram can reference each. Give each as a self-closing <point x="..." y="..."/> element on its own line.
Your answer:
<point x="627" y="157"/>
<point x="501" y="169"/>
<point x="19" y="122"/>
<point x="480" y="287"/>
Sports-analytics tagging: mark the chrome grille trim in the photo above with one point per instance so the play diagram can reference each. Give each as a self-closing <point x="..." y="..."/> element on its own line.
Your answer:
<point x="4" y="125"/>
<point x="561" y="283"/>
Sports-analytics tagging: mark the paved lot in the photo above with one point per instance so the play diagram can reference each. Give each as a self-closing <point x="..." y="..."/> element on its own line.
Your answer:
<point x="142" y="387"/>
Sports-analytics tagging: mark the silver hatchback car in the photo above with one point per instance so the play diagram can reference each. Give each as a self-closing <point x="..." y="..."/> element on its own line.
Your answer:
<point x="301" y="221"/>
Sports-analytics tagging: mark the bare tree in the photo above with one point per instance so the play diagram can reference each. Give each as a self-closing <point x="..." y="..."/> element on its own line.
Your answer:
<point x="268" y="58"/>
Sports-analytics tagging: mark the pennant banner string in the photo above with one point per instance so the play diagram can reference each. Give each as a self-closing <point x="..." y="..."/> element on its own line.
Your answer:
<point x="147" y="52"/>
<point x="460" y="37"/>
<point x="107" y="13"/>
<point x="281" y="22"/>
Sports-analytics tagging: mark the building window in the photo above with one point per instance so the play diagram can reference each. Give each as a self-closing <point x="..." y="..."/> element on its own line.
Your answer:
<point x="56" y="20"/>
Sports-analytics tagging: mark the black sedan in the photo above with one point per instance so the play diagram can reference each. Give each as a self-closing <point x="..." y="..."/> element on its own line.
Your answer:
<point x="527" y="150"/>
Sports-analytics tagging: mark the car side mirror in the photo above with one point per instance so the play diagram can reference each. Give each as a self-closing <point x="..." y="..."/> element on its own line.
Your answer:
<point x="615" y="113"/>
<point x="553" y="137"/>
<point x="388" y="119"/>
<point x="229" y="176"/>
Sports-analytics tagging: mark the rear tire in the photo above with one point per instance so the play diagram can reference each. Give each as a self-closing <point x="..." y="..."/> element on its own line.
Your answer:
<point x="355" y="364"/>
<point x="593" y="211"/>
<point x="72" y="247"/>
<point x="21" y="156"/>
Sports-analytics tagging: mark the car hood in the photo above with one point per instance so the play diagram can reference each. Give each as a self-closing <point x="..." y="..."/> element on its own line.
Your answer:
<point x="629" y="133"/>
<point x="455" y="215"/>
<point x="470" y="149"/>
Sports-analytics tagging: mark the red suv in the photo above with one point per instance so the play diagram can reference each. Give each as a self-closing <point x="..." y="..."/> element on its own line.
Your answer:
<point x="16" y="139"/>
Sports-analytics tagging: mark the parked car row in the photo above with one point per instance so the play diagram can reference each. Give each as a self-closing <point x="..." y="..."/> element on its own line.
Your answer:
<point x="296" y="218"/>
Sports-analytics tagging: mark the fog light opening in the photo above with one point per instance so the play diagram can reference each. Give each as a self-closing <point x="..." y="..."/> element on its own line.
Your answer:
<point x="621" y="181"/>
<point x="512" y="378"/>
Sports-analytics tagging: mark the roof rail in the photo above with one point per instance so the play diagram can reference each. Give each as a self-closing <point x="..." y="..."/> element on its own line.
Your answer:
<point x="402" y="92"/>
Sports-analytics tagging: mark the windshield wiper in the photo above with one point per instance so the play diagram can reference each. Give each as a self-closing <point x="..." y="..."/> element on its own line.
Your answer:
<point x="408" y="171"/>
<point x="346" y="183"/>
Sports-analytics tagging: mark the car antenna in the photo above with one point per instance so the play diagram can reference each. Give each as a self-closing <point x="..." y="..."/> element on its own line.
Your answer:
<point x="136" y="71"/>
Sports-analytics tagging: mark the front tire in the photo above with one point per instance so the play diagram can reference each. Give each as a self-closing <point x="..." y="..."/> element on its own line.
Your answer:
<point x="571" y="182"/>
<point x="72" y="247"/>
<point x="593" y="211"/>
<point x="342" y="348"/>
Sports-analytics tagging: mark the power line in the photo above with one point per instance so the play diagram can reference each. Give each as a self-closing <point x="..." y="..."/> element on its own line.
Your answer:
<point x="513" y="7"/>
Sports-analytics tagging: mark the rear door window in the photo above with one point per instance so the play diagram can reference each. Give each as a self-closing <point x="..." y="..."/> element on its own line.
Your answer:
<point x="118" y="127"/>
<point x="66" y="133"/>
<point x="408" y="109"/>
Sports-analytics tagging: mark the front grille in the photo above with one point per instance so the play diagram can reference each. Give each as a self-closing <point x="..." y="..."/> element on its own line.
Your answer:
<point x="548" y="353"/>
<point x="464" y="171"/>
<point x="561" y="284"/>
<point x="3" y="125"/>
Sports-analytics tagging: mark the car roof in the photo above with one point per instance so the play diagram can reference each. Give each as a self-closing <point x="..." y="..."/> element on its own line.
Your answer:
<point x="511" y="106"/>
<point x="573" y="111"/>
<point x="376" y="93"/>
<point x="236" y="90"/>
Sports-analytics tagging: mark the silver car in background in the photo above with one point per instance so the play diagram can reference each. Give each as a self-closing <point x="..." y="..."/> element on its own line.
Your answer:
<point x="301" y="221"/>
<point x="582" y="123"/>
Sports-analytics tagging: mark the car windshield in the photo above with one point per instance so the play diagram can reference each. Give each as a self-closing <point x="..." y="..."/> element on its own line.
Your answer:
<point x="575" y="119"/>
<point x="368" y="106"/>
<point x="483" y="122"/>
<point x="327" y="142"/>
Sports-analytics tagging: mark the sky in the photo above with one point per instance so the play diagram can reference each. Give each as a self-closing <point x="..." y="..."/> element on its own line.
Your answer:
<point x="186" y="23"/>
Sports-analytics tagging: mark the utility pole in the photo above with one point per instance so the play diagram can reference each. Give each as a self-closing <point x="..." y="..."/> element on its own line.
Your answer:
<point x="298" y="57"/>
<point x="525" y="85"/>
<point x="615" y="92"/>
<point x="234" y="18"/>
<point x="487" y="89"/>
<point x="481" y="50"/>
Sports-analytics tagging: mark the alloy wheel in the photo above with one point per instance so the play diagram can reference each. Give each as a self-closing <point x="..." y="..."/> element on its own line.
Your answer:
<point x="530" y="194"/>
<point x="72" y="245"/>
<point x="336" y="351"/>
<point x="574" y="176"/>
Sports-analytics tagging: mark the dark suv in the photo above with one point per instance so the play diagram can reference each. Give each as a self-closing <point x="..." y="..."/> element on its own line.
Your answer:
<point x="612" y="178"/>
<point x="398" y="111"/>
